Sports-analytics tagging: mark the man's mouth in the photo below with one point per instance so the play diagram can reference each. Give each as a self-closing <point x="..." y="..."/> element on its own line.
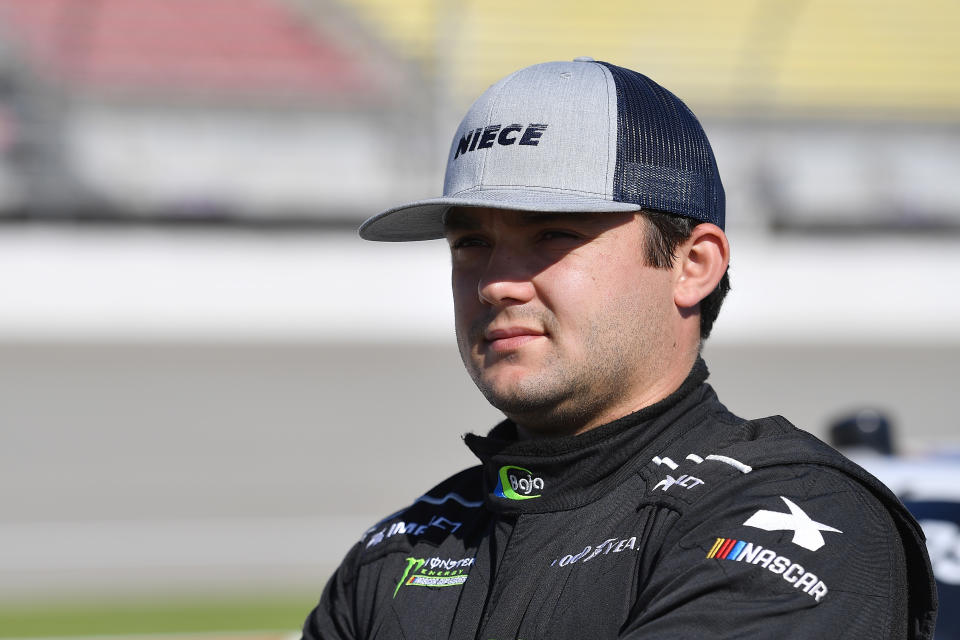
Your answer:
<point x="507" y="339"/>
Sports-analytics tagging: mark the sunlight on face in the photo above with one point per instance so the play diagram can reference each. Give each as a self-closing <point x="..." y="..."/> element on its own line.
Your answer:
<point x="558" y="317"/>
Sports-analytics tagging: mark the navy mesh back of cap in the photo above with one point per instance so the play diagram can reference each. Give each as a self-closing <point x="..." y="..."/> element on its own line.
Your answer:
<point x="664" y="160"/>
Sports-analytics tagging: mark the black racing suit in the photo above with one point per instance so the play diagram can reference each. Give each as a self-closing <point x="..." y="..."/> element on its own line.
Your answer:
<point x="678" y="521"/>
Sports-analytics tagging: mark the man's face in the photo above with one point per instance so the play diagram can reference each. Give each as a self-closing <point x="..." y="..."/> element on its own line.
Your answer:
<point x="559" y="321"/>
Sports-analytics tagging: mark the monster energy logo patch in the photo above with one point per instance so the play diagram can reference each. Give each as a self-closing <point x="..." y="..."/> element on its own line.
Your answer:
<point x="434" y="572"/>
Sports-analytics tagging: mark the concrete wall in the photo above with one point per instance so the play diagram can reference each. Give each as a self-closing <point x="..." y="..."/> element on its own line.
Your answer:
<point x="132" y="467"/>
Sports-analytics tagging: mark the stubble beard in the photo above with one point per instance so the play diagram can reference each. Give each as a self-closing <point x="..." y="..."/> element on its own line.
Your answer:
<point x="562" y="394"/>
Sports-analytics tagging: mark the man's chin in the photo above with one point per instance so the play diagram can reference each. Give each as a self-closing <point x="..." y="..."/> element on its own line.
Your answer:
<point x="517" y="407"/>
<point x="506" y="379"/>
<point x="518" y="396"/>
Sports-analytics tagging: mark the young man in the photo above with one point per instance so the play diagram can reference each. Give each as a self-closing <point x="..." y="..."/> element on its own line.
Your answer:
<point x="619" y="499"/>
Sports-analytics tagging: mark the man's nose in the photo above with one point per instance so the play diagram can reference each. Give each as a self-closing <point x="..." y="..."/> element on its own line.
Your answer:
<point x="505" y="281"/>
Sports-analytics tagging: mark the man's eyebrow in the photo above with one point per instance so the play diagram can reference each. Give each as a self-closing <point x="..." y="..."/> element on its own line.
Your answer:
<point x="546" y="217"/>
<point x="459" y="220"/>
<point x="562" y="217"/>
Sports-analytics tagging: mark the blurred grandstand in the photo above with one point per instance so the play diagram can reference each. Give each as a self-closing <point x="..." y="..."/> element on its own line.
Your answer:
<point x="828" y="115"/>
<point x="219" y="109"/>
<point x="198" y="357"/>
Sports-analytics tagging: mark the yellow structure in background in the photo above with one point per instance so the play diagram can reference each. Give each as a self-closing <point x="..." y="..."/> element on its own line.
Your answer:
<point x="817" y="58"/>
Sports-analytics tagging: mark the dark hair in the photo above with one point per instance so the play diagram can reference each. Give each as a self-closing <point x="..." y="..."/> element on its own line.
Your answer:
<point x="665" y="233"/>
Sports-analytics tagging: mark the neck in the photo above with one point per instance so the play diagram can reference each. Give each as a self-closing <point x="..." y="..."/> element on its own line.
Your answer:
<point x="581" y="419"/>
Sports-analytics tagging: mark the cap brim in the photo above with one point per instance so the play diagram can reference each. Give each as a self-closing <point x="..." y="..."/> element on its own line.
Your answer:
<point x="423" y="219"/>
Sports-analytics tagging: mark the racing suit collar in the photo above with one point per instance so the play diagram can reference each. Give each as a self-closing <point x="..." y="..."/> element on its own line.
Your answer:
<point x="555" y="474"/>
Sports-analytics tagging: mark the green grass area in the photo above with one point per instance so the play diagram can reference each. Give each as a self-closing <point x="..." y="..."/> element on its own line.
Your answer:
<point x="284" y="614"/>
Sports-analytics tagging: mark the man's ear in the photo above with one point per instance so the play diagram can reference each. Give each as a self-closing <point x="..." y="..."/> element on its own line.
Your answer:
<point x="701" y="262"/>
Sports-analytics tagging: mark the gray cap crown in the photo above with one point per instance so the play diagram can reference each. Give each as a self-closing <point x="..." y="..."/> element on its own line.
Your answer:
<point x="570" y="136"/>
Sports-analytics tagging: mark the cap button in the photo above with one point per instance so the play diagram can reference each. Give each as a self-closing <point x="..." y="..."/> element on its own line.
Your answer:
<point x="583" y="59"/>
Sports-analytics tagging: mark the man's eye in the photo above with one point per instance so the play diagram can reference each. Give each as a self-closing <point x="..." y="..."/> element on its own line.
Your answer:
<point x="467" y="243"/>
<point x="556" y="234"/>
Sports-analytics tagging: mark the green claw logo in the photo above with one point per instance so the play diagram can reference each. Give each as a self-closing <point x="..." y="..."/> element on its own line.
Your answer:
<point x="413" y="564"/>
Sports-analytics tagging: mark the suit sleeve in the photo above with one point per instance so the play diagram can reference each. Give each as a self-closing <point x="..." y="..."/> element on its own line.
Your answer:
<point x="332" y="618"/>
<point x="791" y="552"/>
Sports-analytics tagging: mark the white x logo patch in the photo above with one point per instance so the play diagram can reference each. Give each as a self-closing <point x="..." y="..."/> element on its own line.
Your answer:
<point x="806" y="532"/>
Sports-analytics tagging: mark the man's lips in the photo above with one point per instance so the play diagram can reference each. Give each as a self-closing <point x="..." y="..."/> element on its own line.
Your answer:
<point x="510" y="338"/>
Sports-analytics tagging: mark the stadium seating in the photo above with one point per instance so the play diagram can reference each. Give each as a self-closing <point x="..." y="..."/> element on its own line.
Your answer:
<point x="823" y="57"/>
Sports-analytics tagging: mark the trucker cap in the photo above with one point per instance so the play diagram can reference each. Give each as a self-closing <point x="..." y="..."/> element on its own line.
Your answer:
<point x="581" y="136"/>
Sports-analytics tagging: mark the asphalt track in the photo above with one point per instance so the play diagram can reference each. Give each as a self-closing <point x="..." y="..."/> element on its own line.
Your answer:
<point x="177" y="466"/>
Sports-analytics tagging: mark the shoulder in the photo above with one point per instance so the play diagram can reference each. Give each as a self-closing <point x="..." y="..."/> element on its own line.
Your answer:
<point x="448" y="508"/>
<point x="723" y="457"/>
<point x="765" y="462"/>
<point x="350" y="605"/>
<point x="771" y="506"/>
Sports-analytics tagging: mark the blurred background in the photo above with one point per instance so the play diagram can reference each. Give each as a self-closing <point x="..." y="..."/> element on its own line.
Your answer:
<point x="210" y="387"/>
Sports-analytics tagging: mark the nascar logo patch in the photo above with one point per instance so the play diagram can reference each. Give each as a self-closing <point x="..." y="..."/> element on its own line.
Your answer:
<point x="793" y="573"/>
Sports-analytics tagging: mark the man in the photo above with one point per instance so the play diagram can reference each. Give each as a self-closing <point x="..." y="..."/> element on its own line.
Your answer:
<point x="619" y="499"/>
